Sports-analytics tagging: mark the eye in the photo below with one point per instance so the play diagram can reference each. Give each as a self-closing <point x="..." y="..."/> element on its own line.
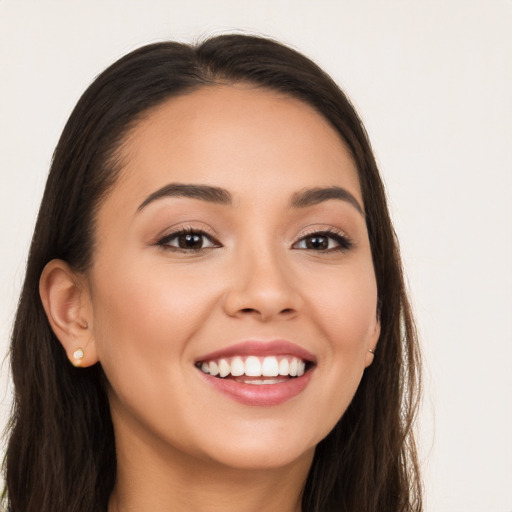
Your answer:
<point x="324" y="241"/>
<point x="188" y="240"/>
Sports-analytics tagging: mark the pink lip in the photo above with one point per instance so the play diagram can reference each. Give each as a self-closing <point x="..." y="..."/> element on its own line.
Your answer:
<point x="263" y="395"/>
<point x="261" y="349"/>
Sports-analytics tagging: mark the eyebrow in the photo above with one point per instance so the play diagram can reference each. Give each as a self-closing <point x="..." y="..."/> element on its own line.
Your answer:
<point x="218" y="195"/>
<point x="312" y="196"/>
<point x="203" y="192"/>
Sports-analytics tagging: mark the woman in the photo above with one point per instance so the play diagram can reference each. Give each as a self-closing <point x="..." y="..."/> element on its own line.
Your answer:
<point x="214" y="257"/>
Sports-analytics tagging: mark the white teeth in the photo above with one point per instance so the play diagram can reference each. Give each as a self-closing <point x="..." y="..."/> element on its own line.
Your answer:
<point x="237" y="367"/>
<point x="224" y="368"/>
<point x="270" y="367"/>
<point x="252" y="367"/>
<point x="292" y="371"/>
<point x="284" y="366"/>
<point x="214" y="369"/>
<point x="264" y="381"/>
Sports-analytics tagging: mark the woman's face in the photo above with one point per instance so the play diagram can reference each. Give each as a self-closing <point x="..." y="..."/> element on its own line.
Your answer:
<point x="234" y="241"/>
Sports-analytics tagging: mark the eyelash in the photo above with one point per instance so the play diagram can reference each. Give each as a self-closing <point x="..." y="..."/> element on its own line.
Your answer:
<point x="164" y="242"/>
<point x="343" y="242"/>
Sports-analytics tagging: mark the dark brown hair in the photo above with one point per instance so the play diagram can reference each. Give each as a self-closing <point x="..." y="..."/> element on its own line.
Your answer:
<point x="61" y="451"/>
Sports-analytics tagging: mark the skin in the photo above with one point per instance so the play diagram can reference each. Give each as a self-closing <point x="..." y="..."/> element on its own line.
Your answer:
<point x="147" y="312"/>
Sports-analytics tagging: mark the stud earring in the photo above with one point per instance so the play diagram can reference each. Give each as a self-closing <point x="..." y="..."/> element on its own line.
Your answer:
<point x="371" y="351"/>
<point x="78" y="354"/>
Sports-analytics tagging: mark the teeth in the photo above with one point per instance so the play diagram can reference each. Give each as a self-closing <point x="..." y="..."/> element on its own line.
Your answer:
<point x="252" y="367"/>
<point x="284" y="367"/>
<point x="264" y="381"/>
<point x="214" y="369"/>
<point x="237" y="367"/>
<point x="224" y="368"/>
<point x="292" y="371"/>
<point x="270" y="366"/>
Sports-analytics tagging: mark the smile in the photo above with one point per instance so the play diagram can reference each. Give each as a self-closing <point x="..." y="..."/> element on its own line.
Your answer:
<point x="258" y="373"/>
<point x="240" y="368"/>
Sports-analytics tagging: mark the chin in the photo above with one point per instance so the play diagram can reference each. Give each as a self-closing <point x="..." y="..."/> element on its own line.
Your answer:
<point x="269" y="457"/>
<point x="261" y="447"/>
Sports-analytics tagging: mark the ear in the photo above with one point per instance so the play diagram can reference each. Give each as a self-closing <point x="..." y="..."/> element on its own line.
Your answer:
<point x="66" y="301"/>
<point x="373" y="338"/>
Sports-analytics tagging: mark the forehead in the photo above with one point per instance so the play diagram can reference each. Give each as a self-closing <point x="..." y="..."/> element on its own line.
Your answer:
<point x="237" y="136"/>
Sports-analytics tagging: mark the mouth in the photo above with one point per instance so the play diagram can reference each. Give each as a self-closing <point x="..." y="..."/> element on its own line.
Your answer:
<point x="258" y="373"/>
<point x="256" y="370"/>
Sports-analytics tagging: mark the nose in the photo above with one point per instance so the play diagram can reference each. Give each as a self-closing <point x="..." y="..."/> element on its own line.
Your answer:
<point x="262" y="286"/>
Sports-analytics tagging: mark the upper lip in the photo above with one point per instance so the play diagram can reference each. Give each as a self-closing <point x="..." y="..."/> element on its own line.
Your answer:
<point x="261" y="349"/>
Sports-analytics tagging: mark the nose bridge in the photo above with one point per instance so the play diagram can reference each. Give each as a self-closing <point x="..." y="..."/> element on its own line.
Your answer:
<point x="262" y="281"/>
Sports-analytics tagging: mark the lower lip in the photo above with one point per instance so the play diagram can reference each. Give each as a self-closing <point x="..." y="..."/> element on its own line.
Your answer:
<point x="262" y="395"/>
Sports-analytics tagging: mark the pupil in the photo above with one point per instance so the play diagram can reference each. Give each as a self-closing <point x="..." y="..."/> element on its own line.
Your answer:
<point x="317" y="242"/>
<point x="190" y="241"/>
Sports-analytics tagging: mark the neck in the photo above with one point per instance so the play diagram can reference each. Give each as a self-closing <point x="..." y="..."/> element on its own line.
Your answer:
<point x="161" y="479"/>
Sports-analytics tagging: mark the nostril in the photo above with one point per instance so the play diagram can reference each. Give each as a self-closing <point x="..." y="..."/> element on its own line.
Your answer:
<point x="253" y="310"/>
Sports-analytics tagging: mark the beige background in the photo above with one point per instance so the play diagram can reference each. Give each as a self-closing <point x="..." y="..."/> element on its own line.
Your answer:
<point x="432" y="81"/>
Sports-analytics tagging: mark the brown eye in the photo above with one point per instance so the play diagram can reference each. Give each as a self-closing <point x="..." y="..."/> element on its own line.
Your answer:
<point x="317" y="243"/>
<point x="324" y="241"/>
<point x="188" y="241"/>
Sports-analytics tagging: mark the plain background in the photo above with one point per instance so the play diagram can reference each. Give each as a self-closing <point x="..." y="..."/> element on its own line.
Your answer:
<point x="432" y="81"/>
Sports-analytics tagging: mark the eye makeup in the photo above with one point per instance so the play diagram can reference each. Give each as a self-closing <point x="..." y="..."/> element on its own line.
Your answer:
<point x="188" y="239"/>
<point x="324" y="240"/>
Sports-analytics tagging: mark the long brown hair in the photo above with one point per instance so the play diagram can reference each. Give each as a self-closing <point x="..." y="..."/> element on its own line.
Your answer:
<point x="61" y="450"/>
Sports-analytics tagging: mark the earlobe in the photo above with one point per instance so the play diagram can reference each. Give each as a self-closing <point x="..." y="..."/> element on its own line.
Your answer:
<point x="65" y="298"/>
<point x="372" y="343"/>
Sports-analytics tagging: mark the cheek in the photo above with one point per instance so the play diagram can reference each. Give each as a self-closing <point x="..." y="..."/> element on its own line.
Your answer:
<point x="147" y="310"/>
<point x="345" y="307"/>
<point x="145" y="320"/>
